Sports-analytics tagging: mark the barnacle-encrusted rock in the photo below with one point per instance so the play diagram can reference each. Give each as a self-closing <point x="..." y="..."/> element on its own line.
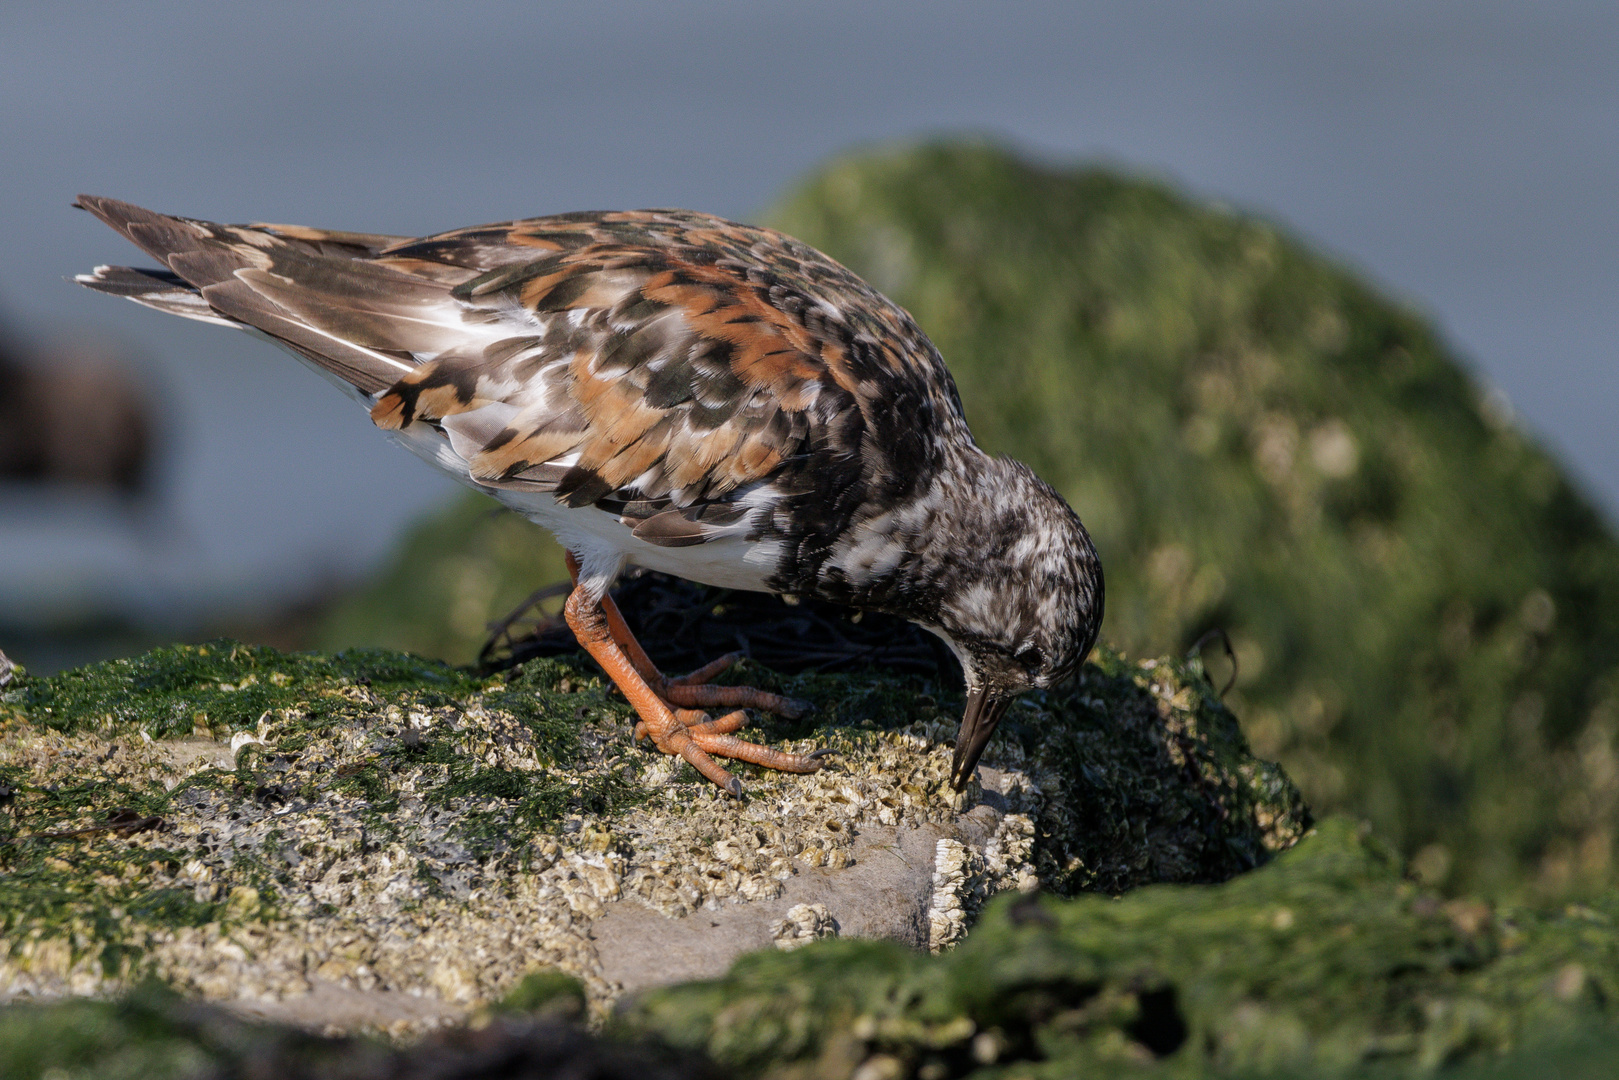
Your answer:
<point x="369" y="839"/>
<point x="803" y="924"/>
<point x="1325" y="963"/>
<point x="964" y="877"/>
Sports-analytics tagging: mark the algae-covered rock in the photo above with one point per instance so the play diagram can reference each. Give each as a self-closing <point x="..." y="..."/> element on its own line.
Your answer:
<point x="1426" y="611"/>
<point x="369" y="841"/>
<point x="1323" y="963"/>
<point x="155" y="1035"/>
<point x="373" y="840"/>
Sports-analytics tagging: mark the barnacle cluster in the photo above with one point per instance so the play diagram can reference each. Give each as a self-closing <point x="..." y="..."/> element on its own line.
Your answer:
<point x="436" y="835"/>
<point x="964" y="877"/>
<point x="803" y="924"/>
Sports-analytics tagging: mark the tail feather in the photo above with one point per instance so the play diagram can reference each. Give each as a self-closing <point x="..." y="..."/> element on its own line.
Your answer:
<point x="311" y="291"/>
<point x="335" y="242"/>
<point x="161" y="236"/>
<point x="162" y="290"/>
<point x="131" y="280"/>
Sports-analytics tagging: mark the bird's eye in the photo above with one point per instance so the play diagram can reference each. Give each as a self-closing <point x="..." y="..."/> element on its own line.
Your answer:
<point x="1029" y="657"/>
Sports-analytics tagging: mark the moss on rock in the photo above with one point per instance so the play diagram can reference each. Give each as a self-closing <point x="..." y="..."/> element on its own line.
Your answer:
<point x="1426" y="608"/>
<point x="152" y="1034"/>
<point x="1326" y="962"/>
<point x="384" y="823"/>
<point x="246" y="823"/>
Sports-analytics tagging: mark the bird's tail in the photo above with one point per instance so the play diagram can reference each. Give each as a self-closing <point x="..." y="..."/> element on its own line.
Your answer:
<point x="312" y="291"/>
<point x="160" y="289"/>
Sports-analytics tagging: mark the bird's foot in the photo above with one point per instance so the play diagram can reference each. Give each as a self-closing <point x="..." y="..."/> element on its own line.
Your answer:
<point x="696" y="723"/>
<point x="699" y="739"/>
<point x="694" y="692"/>
<point x="664" y="705"/>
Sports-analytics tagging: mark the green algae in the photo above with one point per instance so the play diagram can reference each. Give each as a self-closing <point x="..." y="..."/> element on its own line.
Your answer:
<point x="1326" y="962"/>
<point x="132" y="1040"/>
<point x="1079" y="1030"/>
<point x="219" y="688"/>
<point x="548" y="992"/>
<point x="215" y="812"/>
<point x="152" y="1034"/>
<point x="223" y="684"/>
<point x="1188" y="802"/>
<point x="72" y="869"/>
<point x="1425" y="606"/>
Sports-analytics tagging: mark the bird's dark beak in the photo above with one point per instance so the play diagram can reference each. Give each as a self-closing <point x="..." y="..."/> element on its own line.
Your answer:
<point x="984" y="710"/>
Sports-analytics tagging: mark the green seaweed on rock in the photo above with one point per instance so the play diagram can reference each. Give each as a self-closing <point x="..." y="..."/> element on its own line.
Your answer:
<point x="226" y="685"/>
<point x="1425" y="606"/>
<point x="338" y="843"/>
<point x="1326" y="962"/>
<point x="240" y="820"/>
<point x="99" y="764"/>
<point x="153" y="1034"/>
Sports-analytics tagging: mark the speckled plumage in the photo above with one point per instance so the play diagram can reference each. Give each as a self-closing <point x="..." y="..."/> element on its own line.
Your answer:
<point x="672" y="390"/>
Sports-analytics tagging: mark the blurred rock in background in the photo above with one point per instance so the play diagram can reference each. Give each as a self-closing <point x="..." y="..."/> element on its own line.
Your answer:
<point x="80" y="438"/>
<point x="73" y="414"/>
<point x="1425" y="609"/>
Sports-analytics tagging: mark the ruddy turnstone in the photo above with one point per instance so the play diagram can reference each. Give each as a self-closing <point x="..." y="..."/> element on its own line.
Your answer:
<point x="679" y="392"/>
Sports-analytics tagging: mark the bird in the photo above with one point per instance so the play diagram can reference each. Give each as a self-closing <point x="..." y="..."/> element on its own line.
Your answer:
<point x="671" y="390"/>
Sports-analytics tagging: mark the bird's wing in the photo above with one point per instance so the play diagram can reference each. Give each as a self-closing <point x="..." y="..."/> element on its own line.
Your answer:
<point x="657" y="363"/>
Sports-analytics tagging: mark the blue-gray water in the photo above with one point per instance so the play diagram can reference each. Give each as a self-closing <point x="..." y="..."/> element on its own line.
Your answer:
<point x="1464" y="154"/>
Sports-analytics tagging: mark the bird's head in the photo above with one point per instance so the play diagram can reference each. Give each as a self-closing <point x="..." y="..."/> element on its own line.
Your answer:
<point x="1024" y="610"/>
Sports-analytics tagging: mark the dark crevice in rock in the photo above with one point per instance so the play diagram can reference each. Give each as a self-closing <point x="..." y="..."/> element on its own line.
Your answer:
<point x="1160" y="1027"/>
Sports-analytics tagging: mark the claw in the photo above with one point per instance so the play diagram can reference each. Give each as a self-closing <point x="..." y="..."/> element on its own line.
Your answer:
<point x="825" y="751"/>
<point x="734" y="788"/>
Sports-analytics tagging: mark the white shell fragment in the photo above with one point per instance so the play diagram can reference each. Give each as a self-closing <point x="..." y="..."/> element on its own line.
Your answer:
<point x="804" y="923"/>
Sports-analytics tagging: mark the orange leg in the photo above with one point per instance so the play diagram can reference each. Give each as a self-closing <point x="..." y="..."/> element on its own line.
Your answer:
<point x="691" y="691"/>
<point x="686" y="732"/>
